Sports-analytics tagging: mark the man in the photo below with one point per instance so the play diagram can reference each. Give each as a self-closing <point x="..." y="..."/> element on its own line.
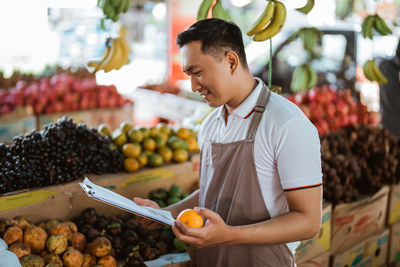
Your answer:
<point x="260" y="169"/>
<point x="390" y="93"/>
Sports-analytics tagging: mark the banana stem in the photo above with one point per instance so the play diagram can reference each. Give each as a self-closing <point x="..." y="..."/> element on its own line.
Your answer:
<point x="270" y="64"/>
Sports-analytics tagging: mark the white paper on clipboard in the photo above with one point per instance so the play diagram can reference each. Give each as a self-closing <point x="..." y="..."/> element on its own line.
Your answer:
<point x="111" y="198"/>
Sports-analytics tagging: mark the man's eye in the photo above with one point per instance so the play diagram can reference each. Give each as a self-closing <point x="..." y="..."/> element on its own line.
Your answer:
<point x="197" y="72"/>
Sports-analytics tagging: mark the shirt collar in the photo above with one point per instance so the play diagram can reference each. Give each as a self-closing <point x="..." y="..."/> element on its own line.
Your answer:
<point x="248" y="105"/>
<point x="246" y="108"/>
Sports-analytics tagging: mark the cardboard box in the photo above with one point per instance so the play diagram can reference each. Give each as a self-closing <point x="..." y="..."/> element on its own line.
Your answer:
<point x="394" y="250"/>
<point x="371" y="252"/>
<point x="94" y="117"/>
<point x="313" y="247"/>
<point x="353" y="222"/>
<point x="318" y="261"/>
<point x="66" y="201"/>
<point x="15" y="126"/>
<point x="394" y="204"/>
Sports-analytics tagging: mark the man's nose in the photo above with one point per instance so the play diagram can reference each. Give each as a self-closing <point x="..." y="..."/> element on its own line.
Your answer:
<point x="195" y="84"/>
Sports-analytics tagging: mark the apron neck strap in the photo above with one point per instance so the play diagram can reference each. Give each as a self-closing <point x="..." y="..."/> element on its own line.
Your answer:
<point x="262" y="102"/>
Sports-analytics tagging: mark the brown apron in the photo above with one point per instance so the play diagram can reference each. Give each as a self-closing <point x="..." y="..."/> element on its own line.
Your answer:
<point x="234" y="193"/>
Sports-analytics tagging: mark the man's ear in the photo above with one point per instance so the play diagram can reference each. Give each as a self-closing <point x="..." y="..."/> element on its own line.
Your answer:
<point x="233" y="60"/>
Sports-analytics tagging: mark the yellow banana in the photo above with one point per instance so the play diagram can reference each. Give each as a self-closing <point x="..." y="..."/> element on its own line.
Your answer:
<point x="381" y="79"/>
<point x="276" y="24"/>
<point x="263" y="19"/>
<point x="96" y="64"/>
<point x="125" y="51"/>
<point x="114" y="57"/>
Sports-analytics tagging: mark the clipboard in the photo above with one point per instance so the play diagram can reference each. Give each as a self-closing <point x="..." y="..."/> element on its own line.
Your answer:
<point x="113" y="199"/>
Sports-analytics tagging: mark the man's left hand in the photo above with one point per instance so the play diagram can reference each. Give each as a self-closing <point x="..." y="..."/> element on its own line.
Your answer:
<point x="214" y="232"/>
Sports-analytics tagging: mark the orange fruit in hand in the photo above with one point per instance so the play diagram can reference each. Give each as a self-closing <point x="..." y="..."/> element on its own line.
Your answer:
<point x="190" y="218"/>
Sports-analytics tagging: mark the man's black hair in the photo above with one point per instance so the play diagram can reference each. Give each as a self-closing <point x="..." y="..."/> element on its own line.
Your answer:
<point x="217" y="37"/>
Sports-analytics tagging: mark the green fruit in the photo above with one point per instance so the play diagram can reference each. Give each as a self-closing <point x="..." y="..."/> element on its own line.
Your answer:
<point x="160" y="142"/>
<point x="125" y="126"/>
<point x="175" y="191"/>
<point x="179" y="245"/>
<point x="173" y="200"/>
<point x="160" y="203"/>
<point x="119" y="137"/>
<point x="159" y="194"/>
<point x="135" y="136"/>
<point x="104" y="130"/>
<point x="145" y="131"/>
<point x="155" y="160"/>
<point x="176" y="143"/>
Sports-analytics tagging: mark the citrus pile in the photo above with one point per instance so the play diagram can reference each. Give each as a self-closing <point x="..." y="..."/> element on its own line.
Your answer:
<point x="152" y="146"/>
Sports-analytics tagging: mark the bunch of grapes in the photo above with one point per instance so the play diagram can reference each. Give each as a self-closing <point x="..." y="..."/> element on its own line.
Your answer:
<point x="61" y="152"/>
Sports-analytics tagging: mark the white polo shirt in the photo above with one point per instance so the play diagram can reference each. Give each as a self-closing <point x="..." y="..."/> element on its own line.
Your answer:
<point x="286" y="149"/>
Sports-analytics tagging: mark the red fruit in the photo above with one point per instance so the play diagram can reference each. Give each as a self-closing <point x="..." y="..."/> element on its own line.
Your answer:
<point x="353" y="118"/>
<point x="330" y="109"/>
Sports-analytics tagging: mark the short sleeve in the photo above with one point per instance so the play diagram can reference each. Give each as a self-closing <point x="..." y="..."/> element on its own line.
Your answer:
<point x="298" y="155"/>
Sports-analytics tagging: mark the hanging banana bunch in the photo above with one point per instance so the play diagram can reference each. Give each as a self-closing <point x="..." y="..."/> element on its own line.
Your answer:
<point x="344" y="8"/>
<point x="112" y="9"/>
<point x="310" y="36"/>
<point x="115" y="55"/>
<point x="217" y="10"/>
<point x="304" y="78"/>
<point x="307" y="7"/>
<point x="374" y="22"/>
<point x="270" y="23"/>
<point x="203" y="9"/>
<point x="373" y="73"/>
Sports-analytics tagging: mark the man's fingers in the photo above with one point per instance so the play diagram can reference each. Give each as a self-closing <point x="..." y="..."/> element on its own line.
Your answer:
<point x="145" y="202"/>
<point x="184" y="238"/>
<point x="209" y="214"/>
<point x="186" y="230"/>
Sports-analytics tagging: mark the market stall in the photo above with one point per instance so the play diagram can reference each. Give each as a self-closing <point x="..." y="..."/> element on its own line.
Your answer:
<point x="108" y="100"/>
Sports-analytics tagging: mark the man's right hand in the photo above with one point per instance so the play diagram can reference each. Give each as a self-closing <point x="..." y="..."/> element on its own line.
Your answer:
<point x="148" y="224"/>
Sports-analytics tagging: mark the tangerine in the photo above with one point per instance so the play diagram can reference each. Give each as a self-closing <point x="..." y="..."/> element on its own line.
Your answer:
<point x="190" y="218"/>
<point x="131" y="164"/>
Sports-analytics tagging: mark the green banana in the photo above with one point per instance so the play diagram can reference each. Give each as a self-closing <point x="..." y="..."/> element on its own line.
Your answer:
<point x="218" y="10"/>
<point x="381" y="26"/>
<point x="263" y="19"/>
<point x="380" y="78"/>
<point x="368" y="71"/>
<point x="373" y="73"/>
<point x="313" y="77"/>
<point x="367" y="27"/>
<point x="126" y="6"/>
<point x="203" y="9"/>
<point x="276" y="24"/>
<point x="300" y="78"/>
<point x="307" y="7"/>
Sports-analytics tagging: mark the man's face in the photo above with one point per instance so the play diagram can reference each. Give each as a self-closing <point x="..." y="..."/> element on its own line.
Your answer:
<point x="208" y="76"/>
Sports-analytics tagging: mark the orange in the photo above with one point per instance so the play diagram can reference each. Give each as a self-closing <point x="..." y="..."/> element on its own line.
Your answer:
<point x="131" y="150"/>
<point x="131" y="164"/>
<point x="193" y="145"/>
<point x="135" y="136"/>
<point x="191" y="218"/>
<point x="142" y="158"/>
<point x="183" y="133"/>
<point x="166" y="153"/>
<point x="149" y="144"/>
<point x="180" y="155"/>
